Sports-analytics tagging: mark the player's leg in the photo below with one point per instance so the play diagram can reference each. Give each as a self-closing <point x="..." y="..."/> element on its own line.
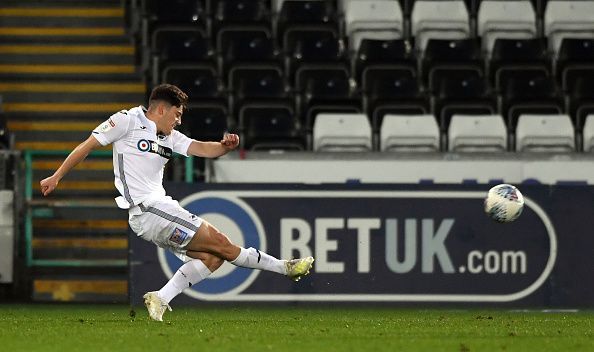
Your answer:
<point x="209" y="239"/>
<point x="189" y="274"/>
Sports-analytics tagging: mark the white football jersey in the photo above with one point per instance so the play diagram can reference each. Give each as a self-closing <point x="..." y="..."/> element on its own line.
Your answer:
<point x="139" y="154"/>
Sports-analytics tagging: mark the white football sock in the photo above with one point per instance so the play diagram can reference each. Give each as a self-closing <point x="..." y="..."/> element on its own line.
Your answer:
<point x="253" y="258"/>
<point x="187" y="275"/>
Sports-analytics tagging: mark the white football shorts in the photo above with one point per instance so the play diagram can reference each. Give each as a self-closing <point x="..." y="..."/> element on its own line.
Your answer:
<point x="165" y="223"/>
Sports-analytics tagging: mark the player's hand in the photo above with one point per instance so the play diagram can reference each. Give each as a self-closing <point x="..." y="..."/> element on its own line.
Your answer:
<point x="230" y="141"/>
<point x="48" y="185"/>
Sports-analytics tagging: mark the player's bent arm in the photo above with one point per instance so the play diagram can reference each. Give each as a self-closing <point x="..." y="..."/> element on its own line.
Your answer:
<point x="214" y="149"/>
<point x="74" y="158"/>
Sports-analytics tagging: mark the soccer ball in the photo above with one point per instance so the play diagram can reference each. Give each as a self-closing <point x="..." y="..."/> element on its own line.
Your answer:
<point x="504" y="203"/>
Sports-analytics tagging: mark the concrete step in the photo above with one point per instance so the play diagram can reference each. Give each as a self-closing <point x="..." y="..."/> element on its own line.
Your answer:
<point x="72" y="92"/>
<point x="59" y="53"/>
<point x="74" y="35"/>
<point x="47" y="126"/>
<point x="74" y="228"/>
<point x="61" y="16"/>
<point x="68" y="72"/>
<point x="104" y="108"/>
<point x="80" y="289"/>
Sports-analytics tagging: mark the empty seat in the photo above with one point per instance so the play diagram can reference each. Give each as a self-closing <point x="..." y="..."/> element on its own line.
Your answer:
<point x="581" y="100"/>
<point x="270" y="127"/>
<point x="477" y="133"/>
<point x="439" y="20"/>
<point x="247" y="45"/>
<point x="312" y="46"/>
<point x="315" y="13"/>
<point x="443" y="58"/>
<point x="511" y="57"/>
<point x="240" y="12"/>
<point x="175" y="11"/>
<point x="568" y="19"/>
<point x="505" y="19"/>
<point x="588" y="134"/>
<point x="409" y="133"/>
<point x="545" y="133"/>
<point x="385" y="53"/>
<point x="341" y="132"/>
<point x="200" y="82"/>
<point x="206" y="122"/>
<point x="574" y="60"/>
<point x="462" y="94"/>
<point x="261" y="85"/>
<point x="177" y="44"/>
<point x="373" y="19"/>
<point x="529" y="96"/>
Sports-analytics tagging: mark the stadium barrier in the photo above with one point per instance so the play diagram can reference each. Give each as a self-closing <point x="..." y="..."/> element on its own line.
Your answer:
<point x="403" y="244"/>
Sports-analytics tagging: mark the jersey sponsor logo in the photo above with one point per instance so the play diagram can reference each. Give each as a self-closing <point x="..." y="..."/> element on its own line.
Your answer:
<point x="153" y="147"/>
<point x="111" y="123"/>
<point x="178" y="236"/>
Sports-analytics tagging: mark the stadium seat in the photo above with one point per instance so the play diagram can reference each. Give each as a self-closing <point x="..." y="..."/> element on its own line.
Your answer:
<point x="341" y="132"/>
<point x="206" y="122"/>
<point x="270" y="127"/>
<point x="581" y="100"/>
<point x="522" y="95"/>
<point x="200" y="82"/>
<point x="326" y="91"/>
<point x="505" y="19"/>
<point x="256" y="84"/>
<point x="588" y="134"/>
<point x="432" y="19"/>
<point x="373" y="19"/>
<point x="409" y="133"/>
<point x="178" y="44"/>
<point x="512" y="57"/>
<point x="463" y="94"/>
<point x="240" y="46"/>
<point x="385" y="53"/>
<point x="312" y="46"/>
<point x="443" y="58"/>
<point x="240" y="13"/>
<point x="301" y="14"/>
<point x="477" y="133"/>
<point x="568" y="19"/>
<point x="391" y="91"/>
<point x="545" y="133"/>
<point x="574" y="60"/>
<point x="160" y="12"/>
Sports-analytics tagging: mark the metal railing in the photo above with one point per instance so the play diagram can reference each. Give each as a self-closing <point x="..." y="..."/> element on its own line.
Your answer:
<point x="44" y="209"/>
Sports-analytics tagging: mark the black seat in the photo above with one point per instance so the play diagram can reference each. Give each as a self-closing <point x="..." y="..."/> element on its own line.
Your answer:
<point x="257" y="85"/>
<point x="324" y="88"/>
<point x="444" y="56"/>
<point x="581" y="100"/>
<point x="513" y="56"/>
<point x="533" y="96"/>
<point x="397" y="52"/>
<point x="175" y="45"/>
<point x="462" y="95"/>
<point x="175" y="11"/>
<point x="240" y="13"/>
<point x="575" y="59"/>
<point x="312" y="46"/>
<point x="247" y="45"/>
<point x="201" y="83"/>
<point x="391" y="90"/>
<point x="206" y="122"/>
<point x="304" y="13"/>
<point x="270" y="127"/>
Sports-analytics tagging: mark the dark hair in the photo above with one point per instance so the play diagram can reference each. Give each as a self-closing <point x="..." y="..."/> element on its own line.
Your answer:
<point x="169" y="94"/>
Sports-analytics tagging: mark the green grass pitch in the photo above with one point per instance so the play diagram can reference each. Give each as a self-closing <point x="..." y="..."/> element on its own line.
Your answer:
<point x="244" y="328"/>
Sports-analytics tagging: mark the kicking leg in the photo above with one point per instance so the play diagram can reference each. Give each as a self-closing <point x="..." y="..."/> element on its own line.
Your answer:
<point x="209" y="239"/>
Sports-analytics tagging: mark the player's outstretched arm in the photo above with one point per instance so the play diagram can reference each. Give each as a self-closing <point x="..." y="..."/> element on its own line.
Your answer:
<point x="74" y="158"/>
<point x="229" y="142"/>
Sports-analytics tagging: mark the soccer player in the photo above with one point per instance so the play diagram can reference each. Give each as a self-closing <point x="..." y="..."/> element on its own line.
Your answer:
<point x="143" y="141"/>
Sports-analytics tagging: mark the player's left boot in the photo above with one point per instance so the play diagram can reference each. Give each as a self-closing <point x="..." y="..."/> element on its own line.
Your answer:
<point x="155" y="305"/>
<point x="298" y="268"/>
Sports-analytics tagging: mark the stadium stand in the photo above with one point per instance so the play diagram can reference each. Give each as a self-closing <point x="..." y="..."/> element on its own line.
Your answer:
<point x="477" y="133"/>
<point x="545" y="133"/>
<point x="379" y="57"/>
<point x="409" y="133"/>
<point x="341" y="132"/>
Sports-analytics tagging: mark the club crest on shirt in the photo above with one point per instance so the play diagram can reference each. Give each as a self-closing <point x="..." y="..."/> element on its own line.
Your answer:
<point x="178" y="236"/>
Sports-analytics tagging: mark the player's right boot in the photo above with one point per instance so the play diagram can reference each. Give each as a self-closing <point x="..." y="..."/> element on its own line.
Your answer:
<point x="297" y="268"/>
<point x="155" y="305"/>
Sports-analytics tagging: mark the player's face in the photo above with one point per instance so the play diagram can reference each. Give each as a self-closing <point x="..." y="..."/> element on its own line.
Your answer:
<point x="171" y="118"/>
